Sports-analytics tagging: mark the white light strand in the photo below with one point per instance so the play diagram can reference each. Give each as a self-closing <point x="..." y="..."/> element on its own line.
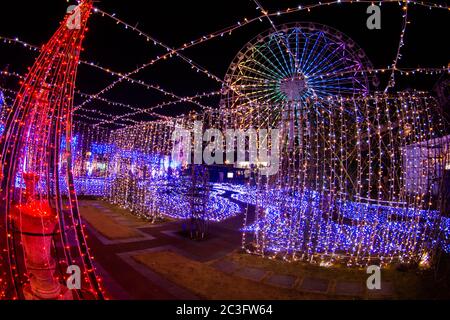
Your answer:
<point x="113" y="73"/>
<point x="398" y="55"/>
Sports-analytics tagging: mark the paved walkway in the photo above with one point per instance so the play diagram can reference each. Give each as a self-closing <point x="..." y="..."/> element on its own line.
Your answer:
<point x="124" y="278"/>
<point x="351" y="289"/>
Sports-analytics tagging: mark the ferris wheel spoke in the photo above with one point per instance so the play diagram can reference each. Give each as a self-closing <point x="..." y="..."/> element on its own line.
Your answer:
<point x="284" y="52"/>
<point x="321" y="81"/>
<point x="331" y="61"/>
<point x="338" y="72"/>
<point x="294" y="49"/>
<point x="305" y="45"/>
<point x="319" y="65"/>
<point x="342" y="73"/>
<point x="256" y="95"/>
<point x="312" y="51"/>
<point x="291" y="58"/>
<point x="256" y="78"/>
<point x="325" y="61"/>
<point x="297" y="60"/>
<point x="324" y="81"/>
<point x="268" y="68"/>
<point x="282" y="66"/>
<point x="314" y="64"/>
<point x="272" y="75"/>
<point x="248" y="81"/>
<point x="270" y="62"/>
<point x="337" y="86"/>
<point x="252" y="83"/>
<point x="331" y="90"/>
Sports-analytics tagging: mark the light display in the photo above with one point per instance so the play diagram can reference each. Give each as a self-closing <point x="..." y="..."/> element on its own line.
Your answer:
<point x="401" y="43"/>
<point x="359" y="175"/>
<point x="132" y="168"/>
<point x="178" y="52"/>
<point x="34" y="211"/>
<point x="2" y="112"/>
<point x="316" y="63"/>
<point x="170" y="198"/>
<point x="136" y="110"/>
<point x="358" y="172"/>
<point x="228" y="31"/>
<point x="353" y="185"/>
<point x="357" y="213"/>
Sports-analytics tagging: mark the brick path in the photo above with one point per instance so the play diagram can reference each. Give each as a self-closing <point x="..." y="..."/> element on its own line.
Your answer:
<point x="124" y="278"/>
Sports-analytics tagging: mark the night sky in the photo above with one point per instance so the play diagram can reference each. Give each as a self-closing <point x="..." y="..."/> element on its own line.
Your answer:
<point x="177" y="22"/>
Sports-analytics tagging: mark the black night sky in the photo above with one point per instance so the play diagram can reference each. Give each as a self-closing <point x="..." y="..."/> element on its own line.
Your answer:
<point x="177" y="22"/>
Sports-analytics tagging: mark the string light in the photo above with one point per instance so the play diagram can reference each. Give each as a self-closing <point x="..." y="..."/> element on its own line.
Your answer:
<point x="316" y="209"/>
<point x="32" y="162"/>
<point x="115" y="74"/>
<point x="398" y="55"/>
<point x="176" y="52"/>
<point x="363" y="214"/>
<point x="171" y="51"/>
<point x="359" y="218"/>
<point x="137" y="110"/>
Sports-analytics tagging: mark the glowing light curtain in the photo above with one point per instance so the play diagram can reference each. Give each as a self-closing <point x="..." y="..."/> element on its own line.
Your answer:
<point x="360" y="185"/>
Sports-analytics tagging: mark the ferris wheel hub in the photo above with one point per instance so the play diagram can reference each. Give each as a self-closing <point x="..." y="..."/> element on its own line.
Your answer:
<point x="294" y="88"/>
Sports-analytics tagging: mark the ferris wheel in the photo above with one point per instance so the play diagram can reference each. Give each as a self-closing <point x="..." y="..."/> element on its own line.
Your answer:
<point x="295" y="63"/>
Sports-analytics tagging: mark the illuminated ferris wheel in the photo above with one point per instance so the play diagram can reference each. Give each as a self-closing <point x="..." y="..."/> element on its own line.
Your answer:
<point x="295" y="63"/>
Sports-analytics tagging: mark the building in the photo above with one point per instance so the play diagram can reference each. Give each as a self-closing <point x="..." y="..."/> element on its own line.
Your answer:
<point x="426" y="166"/>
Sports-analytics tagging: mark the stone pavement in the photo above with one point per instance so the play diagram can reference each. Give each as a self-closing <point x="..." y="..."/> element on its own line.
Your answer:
<point x="124" y="278"/>
<point x="332" y="288"/>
